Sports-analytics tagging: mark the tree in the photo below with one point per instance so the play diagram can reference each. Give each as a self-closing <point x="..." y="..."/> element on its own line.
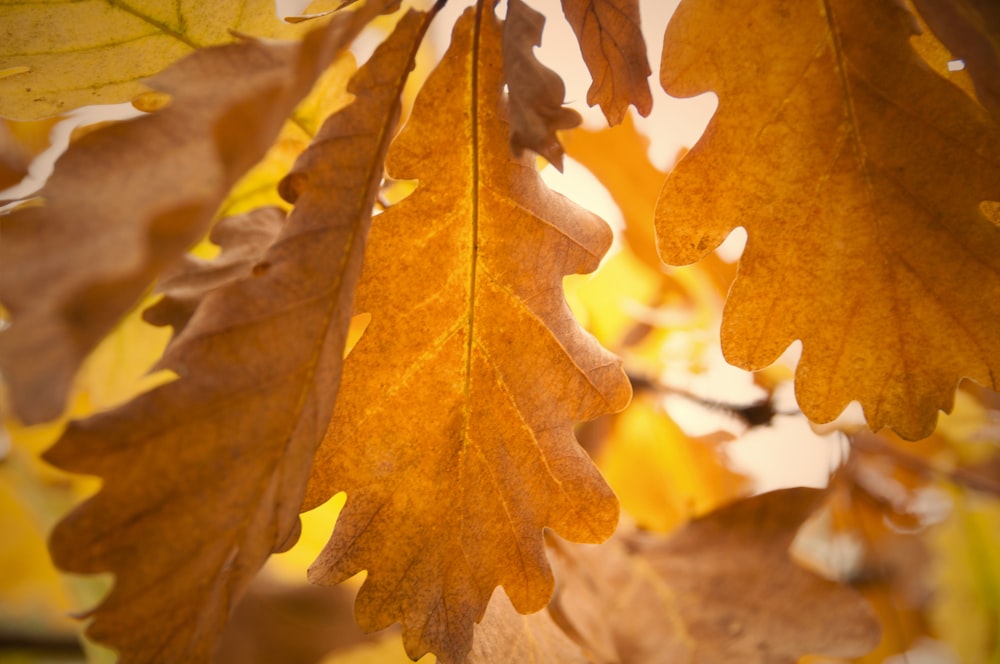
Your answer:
<point x="386" y="318"/>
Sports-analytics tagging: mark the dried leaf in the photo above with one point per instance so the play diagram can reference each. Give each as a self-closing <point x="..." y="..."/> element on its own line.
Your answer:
<point x="78" y="53"/>
<point x="971" y="31"/>
<point x="615" y="52"/>
<point x="243" y="239"/>
<point x="536" y="92"/>
<point x="453" y="433"/>
<point x="722" y="589"/>
<point x="858" y="174"/>
<point x="504" y="635"/>
<point x="203" y="476"/>
<point x="72" y="267"/>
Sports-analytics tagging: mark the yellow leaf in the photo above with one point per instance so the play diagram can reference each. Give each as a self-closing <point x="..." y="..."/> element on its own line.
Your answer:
<point x="73" y="53"/>
<point x="662" y="477"/>
<point x="858" y="174"/>
<point x="967" y="580"/>
<point x="453" y="432"/>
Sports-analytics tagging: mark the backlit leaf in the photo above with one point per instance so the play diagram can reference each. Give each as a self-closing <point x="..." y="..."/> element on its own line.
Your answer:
<point x="70" y="268"/>
<point x="615" y="52"/>
<point x="453" y="432"/>
<point x="536" y="92"/>
<point x="858" y="174"/>
<point x="203" y="477"/>
<point x="72" y="53"/>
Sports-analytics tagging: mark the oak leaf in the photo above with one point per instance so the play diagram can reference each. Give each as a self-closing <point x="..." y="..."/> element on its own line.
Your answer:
<point x="203" y="477"/>
<point x="721" y="589"/>
<point x="453" y="432"/>
<point x="615" y="52"/>
<point x="504" y="635"/>
<point x="535" y="91"/>
<point x="70" y="268"/>
<point x="64" y="54"/>
<point x="858" y="174"/>
<point x="242" y="240"/>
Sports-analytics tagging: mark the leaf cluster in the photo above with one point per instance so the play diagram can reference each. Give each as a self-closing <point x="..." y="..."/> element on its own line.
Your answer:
<point x="381" y="310"/>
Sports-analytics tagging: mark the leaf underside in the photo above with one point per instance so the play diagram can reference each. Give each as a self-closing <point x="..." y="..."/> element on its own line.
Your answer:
<point x="866" y="244"/>
<point x="452" y="435"/>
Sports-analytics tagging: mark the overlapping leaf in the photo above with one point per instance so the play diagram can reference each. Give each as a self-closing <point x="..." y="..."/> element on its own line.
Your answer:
<point x="203" y="477"/>
<point x="56" y="56"/>
<point x="858" y="174"/>
<point x="615" y="52"/>
<point x="722" y="589"/>
<point x="971" y="30"/>
<point x="452" y="435"/>
<point x="126" y="200"/>
<point x="536" y="92"/>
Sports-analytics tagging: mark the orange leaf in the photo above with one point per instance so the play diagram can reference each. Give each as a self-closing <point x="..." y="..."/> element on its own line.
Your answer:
<point x="203" y="477"/>
<point x="721" y="589"/>
<point x="536" y="92"/>
<point x="615" y="52"/>
<point x="71" y="268"/>
<point x="858" y="174"/>
<point x="971" y="31"/>
<point x="453" y="433"/>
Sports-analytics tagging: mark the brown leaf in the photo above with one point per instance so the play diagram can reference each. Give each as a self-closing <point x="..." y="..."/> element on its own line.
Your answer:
<point x="971" y="31"/>
<point x="858" y="174"/>
<point x="203" y="477"/>
<point x="453" y="433"/>
<point x="14" y="158"/>
<point x="504" y="635"/>
<point x="125" y="201"/>
<point x="290" y="624"/>
<point x="615" y="52"/>
<point x="721" y="589"/>
<point x="243" y="239"/>
<point x="536" y="92"/>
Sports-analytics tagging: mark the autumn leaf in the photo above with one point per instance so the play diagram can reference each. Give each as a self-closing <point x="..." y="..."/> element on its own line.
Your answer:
<point x="453" y="431"/>
<point x="203" y="477"/>
<point x="242" y="240"/>
<point x="14" y="158"/>
<point x="721" y="589"/>
<point x="661" y="476"/>
<point x="615" y="52"/>
<point x="64" y="54"/>
<point x="971" y="31"/>
<point x="69" y="269"/>
<point x="536" y="92"/>
<point x="858" y="174"/>
<point x="504" y="635"/>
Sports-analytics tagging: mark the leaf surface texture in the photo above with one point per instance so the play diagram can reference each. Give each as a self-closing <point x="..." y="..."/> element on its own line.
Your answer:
<point x="453" y="434"/>
<point x="204" y="476"/>
<point x="858" y="174"/>
<point x="65" y="54"/>
<point x="73" y="266"/>
<point x="615" y="52"/>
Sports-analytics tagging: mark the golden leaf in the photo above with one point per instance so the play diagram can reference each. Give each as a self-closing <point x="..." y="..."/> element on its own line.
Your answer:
<point x="203" y="476"/>
<point x="453" y="432"/>
<point x="858" y="174"/>
<point x="68" y="53"/>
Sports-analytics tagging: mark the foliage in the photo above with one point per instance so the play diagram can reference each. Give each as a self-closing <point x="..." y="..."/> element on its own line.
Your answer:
<point x="396" y="315"/>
